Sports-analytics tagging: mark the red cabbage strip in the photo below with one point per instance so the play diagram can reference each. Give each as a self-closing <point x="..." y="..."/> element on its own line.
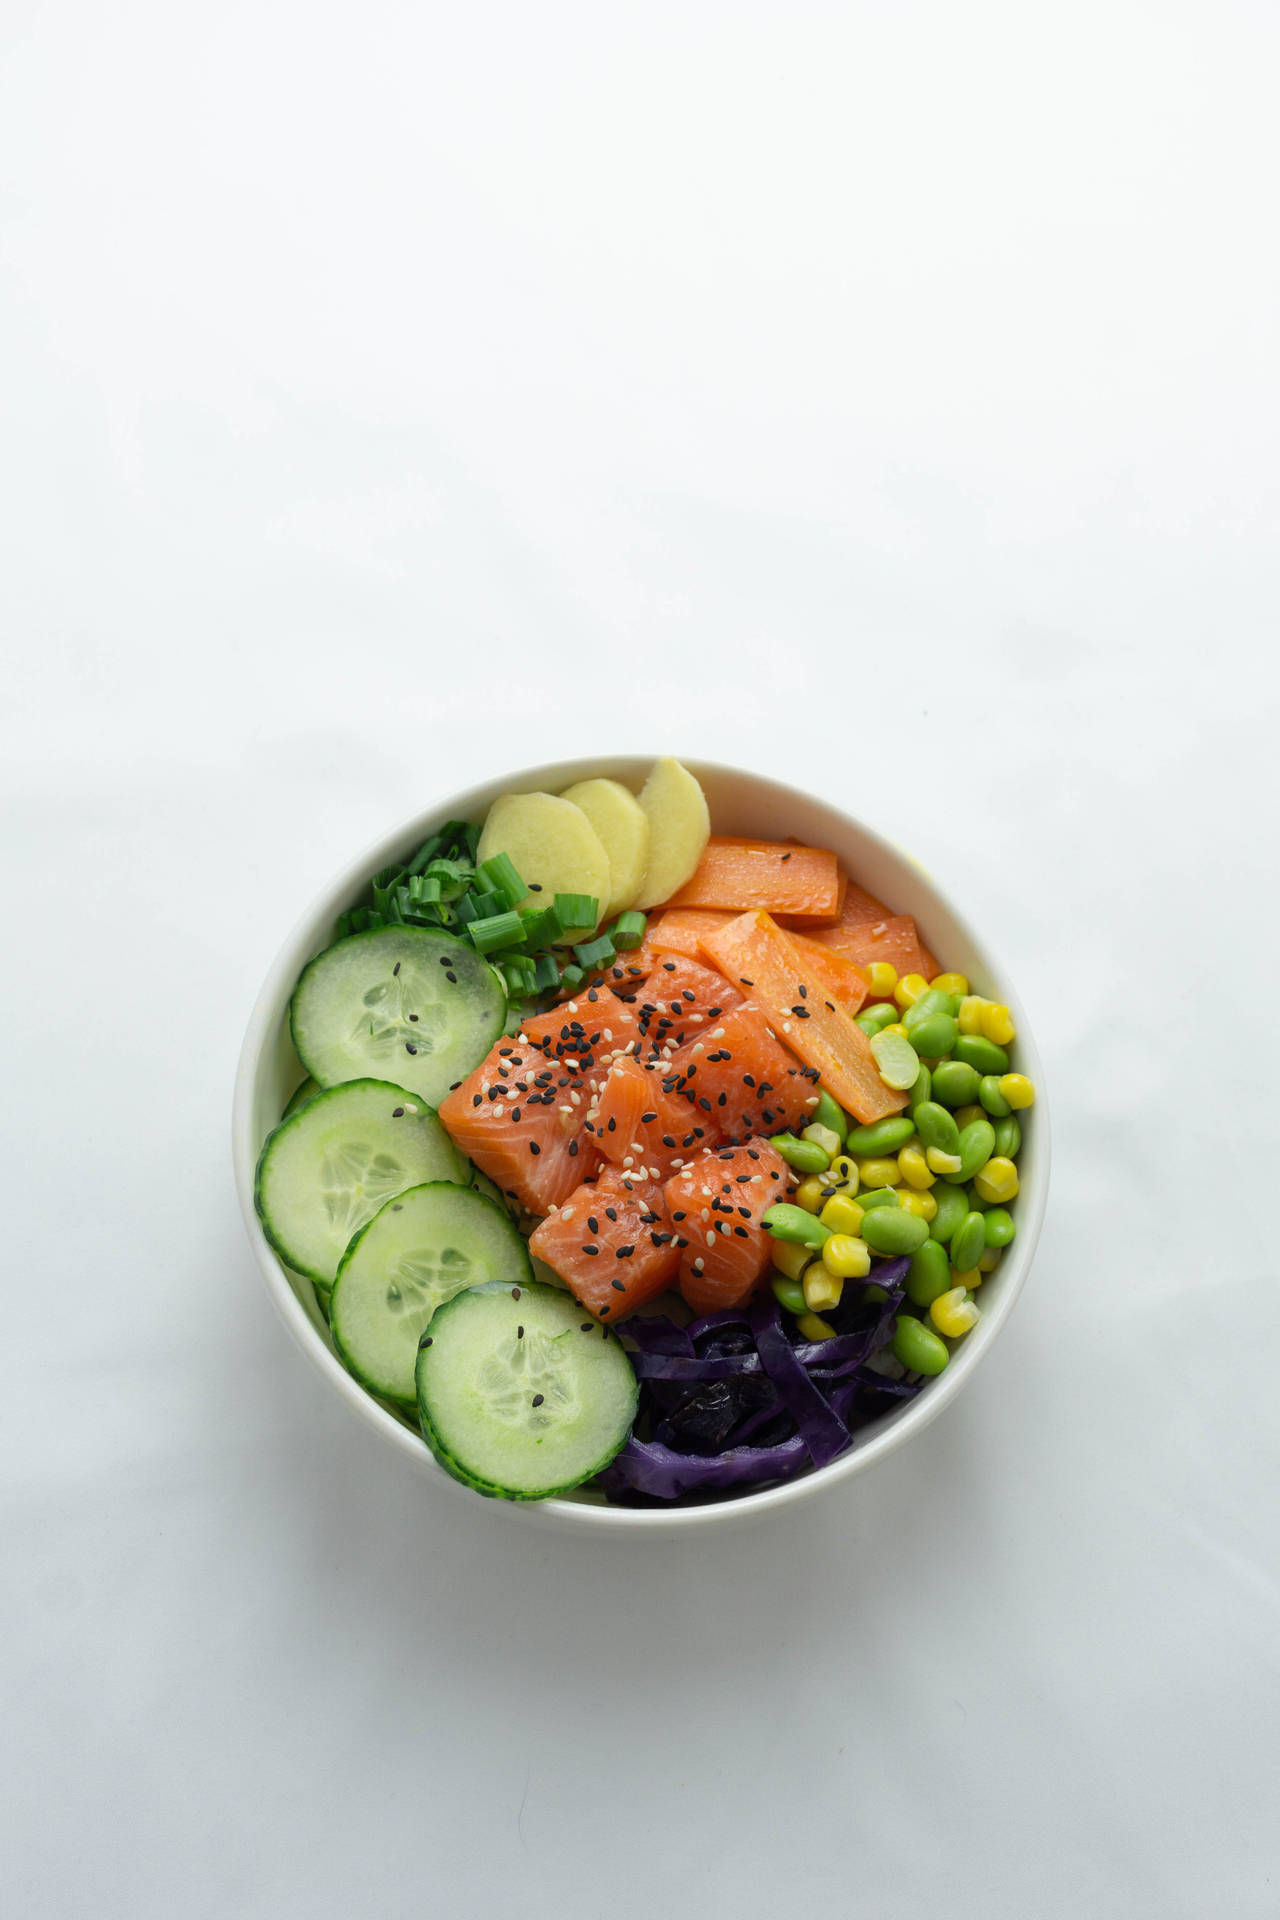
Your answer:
<point x="646" y="1466"/>
<point x="823" y="1431"/>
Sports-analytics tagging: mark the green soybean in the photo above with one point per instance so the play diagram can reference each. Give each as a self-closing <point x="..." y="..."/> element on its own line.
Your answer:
<point x="789" y="1294"/>
<point x="787" y="1222"/>
<point x="872" y="1019"/>
<point x="991" y="1097"/>
<point x="828" y="1114"/>
<point x="968" y="1242"/>
<point x="977" y="1144"/>
<point x="976" y="1202"/>
<point x="953" y="1204"/>
<point x="877" y="1197"/>
<point x="999" y="1225"/>
<point x="1008" y="1138"/>
<point x="929" y="1274"/>
<point x="881" y="1138"/>
<point x="893" y="1230"/>
<point x="934" y="1001"/>
<point x="936" y="1127"/>
<point x="806" y="1156"/>
<point x="934" y="1036"/>
<point x="955" y="1083"/>
<point x="981" y="1053"/>
<point x="918" y="1348"/>
<point x="921" y="1090"/>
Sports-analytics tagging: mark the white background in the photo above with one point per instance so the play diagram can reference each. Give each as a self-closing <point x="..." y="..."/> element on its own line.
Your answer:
<point x="885" y="398"/>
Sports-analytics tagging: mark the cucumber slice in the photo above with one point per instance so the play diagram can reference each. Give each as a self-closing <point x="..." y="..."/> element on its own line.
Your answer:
<point x="515" y="1398"/>
<point x="424" y="1247"/>
<point x="403" y="1004"/>
<point x="330" y="1166"/>
<point x="300" y="1096"/>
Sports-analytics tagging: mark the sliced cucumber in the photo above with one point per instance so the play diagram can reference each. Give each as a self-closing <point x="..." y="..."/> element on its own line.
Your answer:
<point x="330" y="1166"/>
<point x="400" y="1003"/>
<point x="300" y="1096"/>
<point x="515" y="1398"/>
<point x="419" y="1251"/>
<point x="489" y="1188"/>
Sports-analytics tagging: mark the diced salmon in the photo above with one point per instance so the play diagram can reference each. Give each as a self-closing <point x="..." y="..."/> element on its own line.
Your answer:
<point x="716" y="1205"/>
<point x="680" y="1000"/>
<point x="638" y="1124"/>
<point x="742" y="1079"/>
<point x="611" y="1243"/>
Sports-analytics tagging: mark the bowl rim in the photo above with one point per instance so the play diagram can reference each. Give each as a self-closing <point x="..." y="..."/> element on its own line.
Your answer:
<point x="272" y="1000"/>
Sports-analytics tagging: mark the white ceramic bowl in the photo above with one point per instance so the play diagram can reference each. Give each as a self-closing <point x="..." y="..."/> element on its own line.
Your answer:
<point x="741" y="803"/>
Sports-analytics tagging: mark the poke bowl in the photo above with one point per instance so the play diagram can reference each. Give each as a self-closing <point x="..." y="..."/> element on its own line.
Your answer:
<point x="758" y="1298"/>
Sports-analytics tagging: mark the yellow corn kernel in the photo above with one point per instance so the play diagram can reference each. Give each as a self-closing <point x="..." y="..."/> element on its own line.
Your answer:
<point x="882" y="978"/>
<point x="809" y="1194"/>
<point x="989" y="1260"/>
<point x="997" y="1181"/>
<point x="841" y="1214"/>
<point x="789" y="1258"/>
<point x="954" y="1313"/>
<point x="813" y="1328"/>
<point x="843" y="1173"/>
<point x="967" y="1281"/>
<point x="943" y="1164"/>
<point x="928" y="1205"/>
<point x="897" y="1027"/>
<point x="915" y="1169"/>
<point x="880" y="1173"/>
<point x="923" y="1205"/>
<point x="909" y="989"/>
<point x="969" y="1018"/>
<point x="1017" y="1090"/>
<point x="824" y="1137"/>
<point x="822" y="1287"/>
<point x="845" y="1256"/>
<point x="995" y="1022"/>
<point x="950" y="983"/>
<point x="965" y="1115"/>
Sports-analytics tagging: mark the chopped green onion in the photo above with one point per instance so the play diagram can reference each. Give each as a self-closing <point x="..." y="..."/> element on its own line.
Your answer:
<point x="571" y="977"/>
<point x="596" y="953"/>
<point x="423" y="891"/>
<point x="426" y="853"/>
<point x="628" y="930"/>
<point x="542" y="926"/>
<point x="517" y="972"/>
<point x="470" y="835"/>
<point x="546" y="974"/>
<point x="465" y="908"/>
<point x="495" y="931"/>
<point x="500" y="876"/>
<point x="577" y="910"/>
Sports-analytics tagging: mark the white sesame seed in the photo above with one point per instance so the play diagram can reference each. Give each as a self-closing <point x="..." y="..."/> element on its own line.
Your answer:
<point x="628" y="1161"/>
<point x="717" y="1033"/>
<point x="697" y="1265"/>
<point x="786" y="1027"/>
<point x="568" y="1110"/>
<point x="711" y="1239"/>
<point x="607" y="1034"/>
<point x="575" y="1096"/>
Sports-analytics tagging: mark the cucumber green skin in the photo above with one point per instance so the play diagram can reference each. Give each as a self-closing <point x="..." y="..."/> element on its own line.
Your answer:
<point x="320" y="1280"/>
<point x="378" y="1391"/>
<point x="300" y="1096"/>
<point x="488" y="1487"/>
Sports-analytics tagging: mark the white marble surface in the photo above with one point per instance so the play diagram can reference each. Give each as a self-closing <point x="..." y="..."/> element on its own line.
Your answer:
<point x="883" y="399"/>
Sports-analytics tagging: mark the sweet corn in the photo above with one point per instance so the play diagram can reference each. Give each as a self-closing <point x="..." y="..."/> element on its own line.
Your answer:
<point x="950" y="983"/>
<point x="928" y="1204"/>
<point x="964" y="1115"/>
<point x="841" y="1214"/>
<point x="880" y="1173"/>
<point x="989" y="1260"/>
<point x="915" y="1169"/>
<point x="997" y="1181"/>
<point x="954" y="1313"/>
<point x="923" y="1205"/>
<point x="969" y="1018"/>
<point x="809" y="1194"/>
<point x="848" y="1258"/>
<point x="843" y="1173"/>
<point x="897" y="1027"/>
<point x="995" y="1022"/>
<point x="822" y="1287"/>
<point x="966" y="1282"/>
<point x="813" y="1328"/>
<point x="943" y="1164"/>
<point x="909" y="989"/>
<point x="1017" y="1090"/>
<point x="789" y="1257"/>
<point x="825" y="1137"/>
<point x="882" y="978"/>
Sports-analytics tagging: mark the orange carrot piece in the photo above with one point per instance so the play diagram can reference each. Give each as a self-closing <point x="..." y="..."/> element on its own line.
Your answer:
<point x="677" y="930"/>
<point x="894" y="940"/>
<point x="844" y="980"/>
<point x="802" y="882"/>
<point x="754" y="952"/>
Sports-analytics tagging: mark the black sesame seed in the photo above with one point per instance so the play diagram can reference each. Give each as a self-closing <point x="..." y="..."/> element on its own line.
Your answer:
<point x="611" y="1213"/>
<point x="618" y="1286"/>
<point x="426" y="1340"/>
<point x="785" y="858"/>
<point x="534" y="1148"/>
<point x="515" y="1113"/>
<point x="573" y="1149"/>
<point x="396" y="967"/>
<point x="538" y="1399"/>
<point x="591" y="1250"/>
<point x="624" y="1253"/>
<point x="588" y="1326"/>
<point x="397" y="1113"/>
<point x="409" y="1047"/>
<point x="668" y="966"/>
<point x="450" y="975"/>
<point x="519" y="1333"/>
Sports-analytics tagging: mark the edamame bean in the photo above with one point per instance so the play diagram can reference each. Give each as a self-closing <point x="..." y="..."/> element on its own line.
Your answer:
<point x="968" y="1242"/>
<point x="918" y="1348"/>
<point x="828" y="1114"/>
<point x="806" y="1156"/>
<point x="871" y="1019"/>
<point x="786" y="1222"/>
<point x="822" y="1137"/>
<point x="929" y="1003"/>
<point x="896" y="1060"/>
<point x="976" y="1202"/>
<point x="921" y="1091"/>
<point x="934" y="1036"/>
<point x="936" y="1127"/>
<point x="981" y="1053"/>
<point x="977" y="1144"/>
<point x="991" y="1097"/>
<point x="929" y="1274"/>
<point x="880" y="1138"/>
<point x="955" y="1083"/>
<point x="1008" y="1138"/>
<point x="999" y="1225"/>
<point x="891" y="1230"/>
<point x="953" y="1204"/>
<point x="878" y="1197"/>
<point x="789" y="1294"/>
